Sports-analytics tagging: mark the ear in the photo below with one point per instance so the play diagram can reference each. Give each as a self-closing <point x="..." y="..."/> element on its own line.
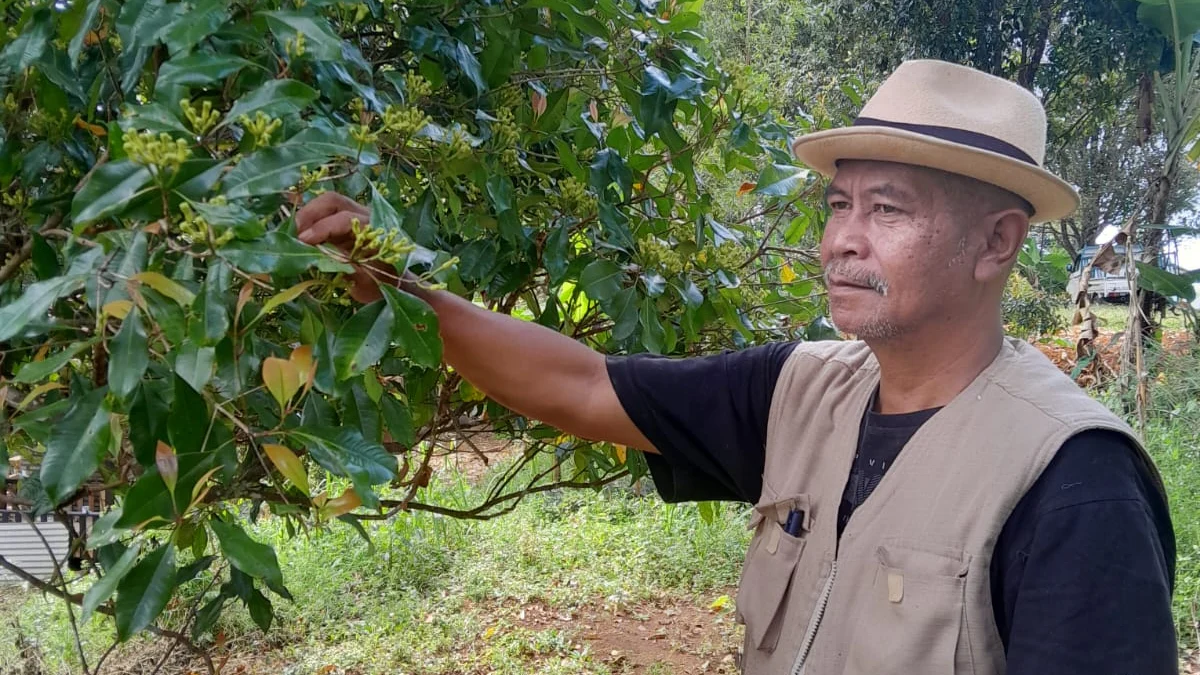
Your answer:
<point x="1005" y="231"/>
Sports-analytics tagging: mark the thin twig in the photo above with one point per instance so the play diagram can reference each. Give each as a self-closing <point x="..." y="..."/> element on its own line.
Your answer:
<point x="62" y="578"/>
<point x="477" y="513"/>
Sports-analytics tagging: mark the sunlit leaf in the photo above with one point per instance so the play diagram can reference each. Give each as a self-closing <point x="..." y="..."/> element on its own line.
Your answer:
<point x="288" y="464"/>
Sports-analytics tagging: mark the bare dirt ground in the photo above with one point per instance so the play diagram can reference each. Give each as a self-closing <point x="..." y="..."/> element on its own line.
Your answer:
<point x="664" y="636"/>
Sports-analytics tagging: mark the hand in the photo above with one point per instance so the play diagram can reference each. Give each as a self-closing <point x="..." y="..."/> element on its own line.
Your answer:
<point x="328" y="220"/>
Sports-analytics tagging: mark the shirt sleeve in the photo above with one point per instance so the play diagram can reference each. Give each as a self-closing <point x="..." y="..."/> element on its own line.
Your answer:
<point x="1084" y="567"/>
<point x="707" y="417"/>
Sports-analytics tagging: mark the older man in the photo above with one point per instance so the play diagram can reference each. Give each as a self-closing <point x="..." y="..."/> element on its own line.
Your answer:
<point x="934" y="498"/>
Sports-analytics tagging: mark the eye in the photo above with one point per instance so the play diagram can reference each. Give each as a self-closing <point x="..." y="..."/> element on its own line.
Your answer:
<point x="839" y="205"/>
<point x="886" y="209"/>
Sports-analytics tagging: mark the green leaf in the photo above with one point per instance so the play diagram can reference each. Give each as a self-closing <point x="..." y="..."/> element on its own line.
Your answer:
<point x="45" y="260"/>
<point x="34" y="303"/>
<point x="109" y="191"/>
<point x="320" y="135"/>
<point x="260" y="610"/>
<point x="477" y="259"/>
<point x="128" y="356"/>
<point x="609" y="169"/>
<point x="202" y="19"/>
<point x="76" y="45"/>
<point x="104" y="530"/>
<point x="196" y="70"/>
<point x="624" y="312"/>
<point x="207" y="617"/>
<point x="275" y="98"/>
<point x="36" y="371"/>
<point x="249" y="556"/>
<point x="363" y="340"/>
<point x="103" y="589"/>
<point x="416" y="327"/>
<point x="346" y="453"/>
<point x="1158" y="14"/>
<point x="194" y="364"/>
<point x="29" y="45"/>
<point x="154" y="117"/>
<point x="189" y="420"/>
<point x="469" y="65"/>
<point x="279" y="253"/>
<point x="320" y="42"/>
<point x="1167" y="284"/>
<point x="272" y="170"/>
<point x="398" y="420"/>
<point x="147" y="502"/>
<point x="76" y="444"/>
<point x="143" y="593"/>
<point x="209" y="308"/>
<point x="601" y="280"/>
<point x="653" y="335"/>
<point x="383" y="214"/>
<point x="780" y="180"/>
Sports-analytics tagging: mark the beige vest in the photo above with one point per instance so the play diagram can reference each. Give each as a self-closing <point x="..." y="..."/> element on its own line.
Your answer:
<point x="907" y="589"/>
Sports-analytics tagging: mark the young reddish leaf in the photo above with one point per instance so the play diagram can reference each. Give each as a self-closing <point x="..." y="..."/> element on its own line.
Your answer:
<point x="538" y="100"/>
<point x="746" y="189"/>
<point x="593" y="110"/>
<point x="347" y="502"/>
<point x="302" y="358"/>
<point x="168" y="465"/>
<point x="282" y="379"/>
<point x="289" y="465"/>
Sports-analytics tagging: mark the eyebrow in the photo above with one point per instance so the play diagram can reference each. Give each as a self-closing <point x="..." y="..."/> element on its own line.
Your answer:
<point x="889" y="190"/>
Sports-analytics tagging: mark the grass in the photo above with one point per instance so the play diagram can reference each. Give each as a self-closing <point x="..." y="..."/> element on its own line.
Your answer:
<point x="1113" y="317"/>
<point x="436" y="595"/>
<point x="421" y="598"/>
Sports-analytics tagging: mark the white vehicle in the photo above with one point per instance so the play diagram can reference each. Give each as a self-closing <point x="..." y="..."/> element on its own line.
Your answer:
<point x="1111" y="287"/>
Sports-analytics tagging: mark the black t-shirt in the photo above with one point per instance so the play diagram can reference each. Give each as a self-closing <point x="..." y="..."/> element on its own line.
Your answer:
<point x="1083" y="569"/>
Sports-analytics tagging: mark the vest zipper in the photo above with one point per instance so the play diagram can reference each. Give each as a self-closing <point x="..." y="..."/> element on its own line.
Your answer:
<point x="815" y="622"/>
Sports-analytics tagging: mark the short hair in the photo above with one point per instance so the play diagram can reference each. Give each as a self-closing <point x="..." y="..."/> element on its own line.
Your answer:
<point x="970" y="192"/>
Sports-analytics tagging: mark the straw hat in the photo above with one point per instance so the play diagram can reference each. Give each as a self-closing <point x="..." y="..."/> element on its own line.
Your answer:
<point x="957" y="119"/>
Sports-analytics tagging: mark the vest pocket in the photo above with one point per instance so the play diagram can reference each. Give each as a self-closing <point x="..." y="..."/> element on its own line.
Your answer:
<point x="913" y="614"/>
<point x="767" y="575"/>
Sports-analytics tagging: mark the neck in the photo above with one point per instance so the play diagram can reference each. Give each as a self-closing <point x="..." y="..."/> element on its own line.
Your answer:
<point x="915" y="376"/>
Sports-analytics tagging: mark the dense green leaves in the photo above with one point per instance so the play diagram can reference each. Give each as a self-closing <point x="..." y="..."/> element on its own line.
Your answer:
<point x="172" y="338"/>
<point x="278" y="253"/>
<point x="416" y="327"/>
<point x="109" y="190"/>
<point x="75" y="446"/>
<point x="275" y="98"/>
<point x="346" y="453"/>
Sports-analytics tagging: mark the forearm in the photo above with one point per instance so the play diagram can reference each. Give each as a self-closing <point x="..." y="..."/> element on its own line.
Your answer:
<point x="524" y="366"/>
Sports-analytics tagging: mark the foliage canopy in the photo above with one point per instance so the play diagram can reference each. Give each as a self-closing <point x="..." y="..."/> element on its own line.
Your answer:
<point x="166" y="336"/>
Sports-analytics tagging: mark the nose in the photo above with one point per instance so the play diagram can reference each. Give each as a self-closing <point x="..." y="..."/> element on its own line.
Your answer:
<point x="845" y="238"/>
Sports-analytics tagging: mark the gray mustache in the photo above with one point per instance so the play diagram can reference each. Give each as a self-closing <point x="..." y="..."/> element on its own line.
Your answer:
<point x="861" y="277"/>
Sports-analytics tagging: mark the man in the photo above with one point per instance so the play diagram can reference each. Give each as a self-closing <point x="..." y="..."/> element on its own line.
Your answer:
<point x="933" y="498"/>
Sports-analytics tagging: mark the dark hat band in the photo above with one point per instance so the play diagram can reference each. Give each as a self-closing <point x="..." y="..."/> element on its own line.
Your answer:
<point x="973" y="139"/>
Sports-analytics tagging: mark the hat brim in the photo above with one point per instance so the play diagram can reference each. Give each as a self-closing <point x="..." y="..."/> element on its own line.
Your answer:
<point x="1051" y="197"/>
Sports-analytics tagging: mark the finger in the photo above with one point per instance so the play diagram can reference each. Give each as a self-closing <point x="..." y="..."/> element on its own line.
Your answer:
<point x="323" y="206"/>
<point x="332" y="228"/>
